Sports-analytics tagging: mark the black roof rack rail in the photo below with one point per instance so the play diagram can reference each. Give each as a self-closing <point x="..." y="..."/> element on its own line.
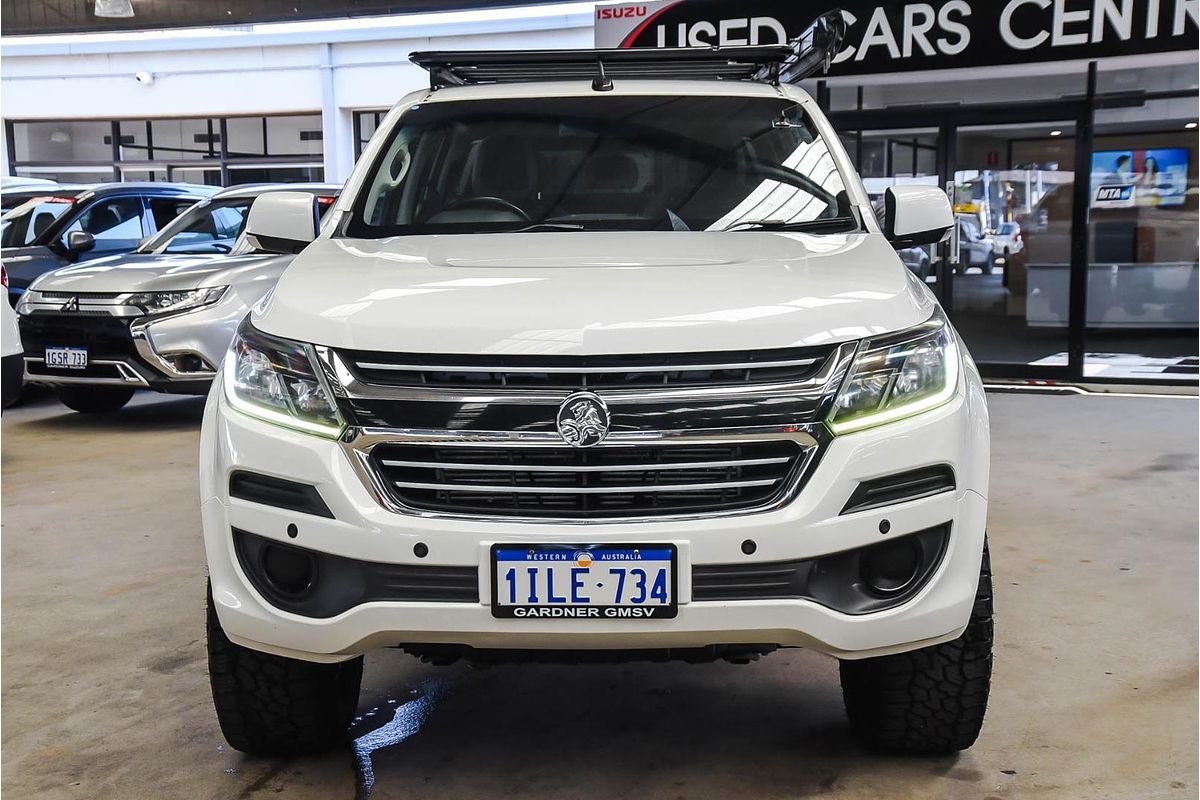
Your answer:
<point x="808" y="53"/>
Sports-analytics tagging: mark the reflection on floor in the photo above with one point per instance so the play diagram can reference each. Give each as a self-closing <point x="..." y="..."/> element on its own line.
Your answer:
<point x="1121" y="365"/>
<point x="992" y="324"/>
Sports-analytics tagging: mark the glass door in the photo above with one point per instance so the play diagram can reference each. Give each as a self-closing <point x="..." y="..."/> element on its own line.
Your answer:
<point x="1009" y="281"/>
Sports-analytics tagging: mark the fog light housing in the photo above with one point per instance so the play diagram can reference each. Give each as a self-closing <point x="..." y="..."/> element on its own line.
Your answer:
<point x="890" y="569"/>
<point x="289" y="571"/>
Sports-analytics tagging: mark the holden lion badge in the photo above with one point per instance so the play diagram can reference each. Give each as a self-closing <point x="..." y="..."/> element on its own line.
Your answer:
<point x="583" y="420"/>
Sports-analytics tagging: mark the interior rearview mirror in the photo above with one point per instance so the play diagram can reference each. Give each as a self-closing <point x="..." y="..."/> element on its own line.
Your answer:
<point x="915" y="215"/>
<point x="282" y="222"/>
<point x="80" y="241"/>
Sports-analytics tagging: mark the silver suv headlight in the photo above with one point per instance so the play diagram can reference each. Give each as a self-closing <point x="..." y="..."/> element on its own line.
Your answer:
<point x="275" y="380"/>
<point x="898" y="375"/>
<point x="168" y="302"/>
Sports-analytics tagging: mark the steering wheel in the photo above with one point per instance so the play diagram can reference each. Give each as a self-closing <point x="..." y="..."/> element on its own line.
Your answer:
<point x="483" y="201"/>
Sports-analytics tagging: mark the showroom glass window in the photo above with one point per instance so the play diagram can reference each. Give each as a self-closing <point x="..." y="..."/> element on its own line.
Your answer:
<point x="215" y="151"/>
<point x="1142" y="282"/>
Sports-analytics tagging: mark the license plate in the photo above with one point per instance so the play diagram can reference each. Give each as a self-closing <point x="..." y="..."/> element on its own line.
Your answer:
<point x="67" y="357"/>
<point x="623" y="581"/>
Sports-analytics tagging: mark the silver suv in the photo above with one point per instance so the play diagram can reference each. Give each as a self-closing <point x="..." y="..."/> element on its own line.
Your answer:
<point x="161" y="317"/>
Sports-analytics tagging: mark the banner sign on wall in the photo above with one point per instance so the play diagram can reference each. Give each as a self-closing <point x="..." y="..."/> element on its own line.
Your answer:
<point x="895" y="36"/>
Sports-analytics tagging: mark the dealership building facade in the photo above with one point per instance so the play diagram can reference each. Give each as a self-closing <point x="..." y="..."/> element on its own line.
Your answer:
<point x="1065" y="131"/>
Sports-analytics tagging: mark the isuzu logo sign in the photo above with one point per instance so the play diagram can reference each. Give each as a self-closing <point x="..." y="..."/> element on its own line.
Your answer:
<point x="583" y="420"/>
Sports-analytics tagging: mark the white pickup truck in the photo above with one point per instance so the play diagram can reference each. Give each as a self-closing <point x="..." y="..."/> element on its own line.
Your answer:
<point x="591" y="360"/>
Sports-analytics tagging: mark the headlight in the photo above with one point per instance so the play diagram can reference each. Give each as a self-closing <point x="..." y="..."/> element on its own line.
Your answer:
<point x="898" y="375"/>
<point x="274" y="379"/>
<point x="164" y="302"/>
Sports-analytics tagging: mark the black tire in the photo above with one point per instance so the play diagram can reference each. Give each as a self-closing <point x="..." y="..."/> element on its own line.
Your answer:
<point x="94" y="400"/>
<point x="989" y="266"/>
<point x="929" y="701"/>
<point x="271" y="705"/>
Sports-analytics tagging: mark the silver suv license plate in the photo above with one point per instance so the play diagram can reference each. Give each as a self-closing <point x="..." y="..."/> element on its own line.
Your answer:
<point x="67" y="357"/>
<point x="570" y="581"/>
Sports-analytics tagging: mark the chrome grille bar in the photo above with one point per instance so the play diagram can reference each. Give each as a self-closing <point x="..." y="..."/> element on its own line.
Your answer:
<point x="484" y="467"/>
<point x="559" y="368"/>
<point x="649" y="488"/>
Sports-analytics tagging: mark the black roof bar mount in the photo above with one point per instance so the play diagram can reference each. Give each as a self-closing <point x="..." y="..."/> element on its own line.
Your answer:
<point x="810" y="52"/>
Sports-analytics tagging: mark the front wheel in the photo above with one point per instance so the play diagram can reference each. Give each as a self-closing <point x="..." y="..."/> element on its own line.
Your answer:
<point x="93" y="400"/>
<point x="271" y="705"/>
<point x="929" y="701"/>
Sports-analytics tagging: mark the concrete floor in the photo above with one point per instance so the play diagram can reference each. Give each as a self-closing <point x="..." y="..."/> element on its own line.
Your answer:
<point x="1094" y="546"/>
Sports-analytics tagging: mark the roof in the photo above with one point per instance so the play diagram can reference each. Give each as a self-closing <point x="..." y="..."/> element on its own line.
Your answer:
<point x="255" y="189"/>
<point x="152" y="187"/>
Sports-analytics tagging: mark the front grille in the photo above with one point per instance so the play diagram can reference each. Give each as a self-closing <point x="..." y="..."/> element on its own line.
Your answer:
<point x="81" y="296"/>
<point x="104" y="336"/>
<point x="650" y="371"/>
<point x="599" y="482"/>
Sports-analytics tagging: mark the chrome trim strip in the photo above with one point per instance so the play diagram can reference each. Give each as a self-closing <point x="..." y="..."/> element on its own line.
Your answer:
<point x="566" y="370"/>
<point x="744" y="462"/>
<point x="35" y="300"/>
<point x="366" y="438"/>
<point x="821" y="383"/>
<point x="130" y="376"/>
<point x="145" y="348"/>
<point x="527" y="489"/>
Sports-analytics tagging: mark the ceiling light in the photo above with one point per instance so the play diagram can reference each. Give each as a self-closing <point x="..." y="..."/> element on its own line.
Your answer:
<point x="1056" y="133"/>
<point x="114" y="8"/>
<point x="1190" y="125"/>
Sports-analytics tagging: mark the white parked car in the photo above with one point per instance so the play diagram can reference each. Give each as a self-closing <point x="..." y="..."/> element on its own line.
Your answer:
<point x="611" y="363"/>
<point x="1007" y="241"/>
<point x="160" y="317"/>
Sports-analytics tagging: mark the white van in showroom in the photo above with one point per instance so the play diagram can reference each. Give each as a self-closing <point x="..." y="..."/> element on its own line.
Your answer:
<point x="590" y="360"/>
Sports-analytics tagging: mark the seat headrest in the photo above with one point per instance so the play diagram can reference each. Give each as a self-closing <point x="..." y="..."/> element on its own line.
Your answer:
<point x="505" y="166"/>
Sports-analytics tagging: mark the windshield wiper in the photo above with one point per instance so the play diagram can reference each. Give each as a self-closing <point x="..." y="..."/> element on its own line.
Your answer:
<point x="826" y="225"/>
<point x="547" y="226"/>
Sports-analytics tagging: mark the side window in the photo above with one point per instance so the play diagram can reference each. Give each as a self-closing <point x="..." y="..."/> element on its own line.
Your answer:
<point x="115" y="222"/>
<point x="165" y="209"/>
<point x="214" y="231"/>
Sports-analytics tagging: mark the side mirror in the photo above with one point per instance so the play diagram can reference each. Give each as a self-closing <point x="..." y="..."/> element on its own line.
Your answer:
<point x="282" y="222"/>
<point x="80" y="241"/>
<point x="915" y="215"/>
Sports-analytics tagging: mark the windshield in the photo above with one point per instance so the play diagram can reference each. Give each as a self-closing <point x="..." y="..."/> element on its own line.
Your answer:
<point x="601" y="163"/>
<point x="210" y="226"/>
<point x="1007" y="228"/>
<point x="25" y="223"/>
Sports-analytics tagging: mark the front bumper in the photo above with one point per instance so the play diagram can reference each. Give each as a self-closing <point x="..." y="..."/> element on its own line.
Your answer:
<point x="174" y="353"/>
<point x="810" y="526"/>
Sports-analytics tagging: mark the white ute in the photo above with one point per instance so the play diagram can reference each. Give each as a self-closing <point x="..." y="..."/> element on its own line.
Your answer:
<point x="600" y="363"/>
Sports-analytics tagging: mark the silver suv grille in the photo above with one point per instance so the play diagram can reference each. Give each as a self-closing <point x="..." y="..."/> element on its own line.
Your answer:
<point x="572" y="483"/>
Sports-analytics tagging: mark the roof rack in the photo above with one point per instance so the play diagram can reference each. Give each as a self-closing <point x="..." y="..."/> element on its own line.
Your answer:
<point x="808" y="53"/>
